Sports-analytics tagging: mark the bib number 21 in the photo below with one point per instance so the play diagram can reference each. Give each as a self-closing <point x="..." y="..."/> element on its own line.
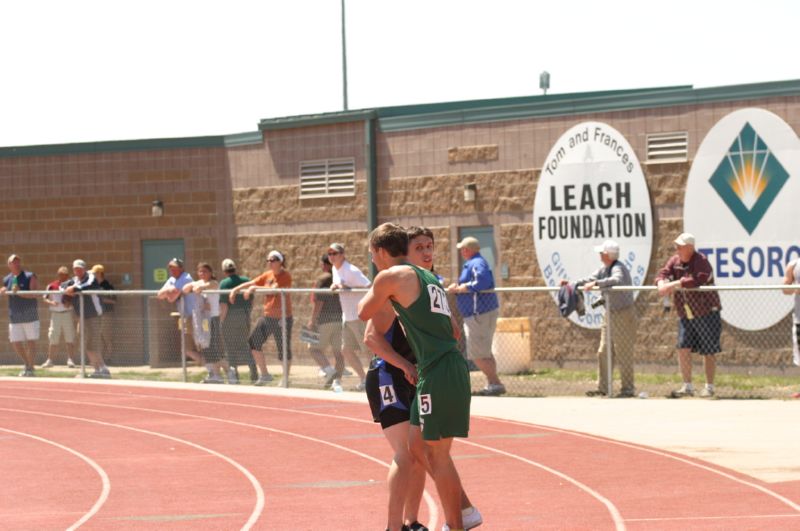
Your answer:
<point x="438" y="300"/>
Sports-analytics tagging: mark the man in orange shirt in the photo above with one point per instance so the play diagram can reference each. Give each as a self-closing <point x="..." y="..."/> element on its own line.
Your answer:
<point x="271" y="324"/>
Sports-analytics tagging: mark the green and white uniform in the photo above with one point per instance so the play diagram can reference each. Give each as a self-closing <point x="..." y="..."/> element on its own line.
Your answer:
<point x="441" y="405"/>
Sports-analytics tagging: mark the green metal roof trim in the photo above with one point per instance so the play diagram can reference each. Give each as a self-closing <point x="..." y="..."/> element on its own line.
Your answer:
<point x="117" y="146"/>
<point x="310" y="120"/>
<point x="579" y="103"/>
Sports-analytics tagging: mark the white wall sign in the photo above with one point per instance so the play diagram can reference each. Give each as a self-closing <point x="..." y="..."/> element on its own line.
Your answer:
<point x="591" y="189"/>
<point x="741" y="205"/>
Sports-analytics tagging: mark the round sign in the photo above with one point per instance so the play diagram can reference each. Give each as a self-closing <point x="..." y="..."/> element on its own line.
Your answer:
<point x="741" y="206"/>
<point x="591" y="189"/>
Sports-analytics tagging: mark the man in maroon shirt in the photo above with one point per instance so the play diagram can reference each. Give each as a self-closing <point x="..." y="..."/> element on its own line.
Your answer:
<point x="699" y="325"/>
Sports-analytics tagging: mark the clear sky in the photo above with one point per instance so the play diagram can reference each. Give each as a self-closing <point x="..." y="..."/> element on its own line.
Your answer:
<point x="114" y="70"/>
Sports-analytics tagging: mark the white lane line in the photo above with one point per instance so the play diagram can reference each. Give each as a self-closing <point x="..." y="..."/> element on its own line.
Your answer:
<point x="259" y="506"/>
<point x="701" y="466"/>
<point x="741" y="517"/>
<point x="106" y="489"/>
<point x="429" y="501"/>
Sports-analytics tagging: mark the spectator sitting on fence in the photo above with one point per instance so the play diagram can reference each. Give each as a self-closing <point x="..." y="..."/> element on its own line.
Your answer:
<point x="699" y="324"/>
<point x="792" y="277"/>
<point x="23" y="312"/>
<point x="270" y="324"/>
<point x="235" y="318"/>
<point x="89" y="325"/>
<point x="62" y="325"/>
<point x="205" y="320"/>
<point x="108" y="302"/>
<point x="326" y="319"/>
<point x="479" y="311"/>
<point x="619" y="312"/>
<point x="171" y="291"/>
<point x="346" y="276"/>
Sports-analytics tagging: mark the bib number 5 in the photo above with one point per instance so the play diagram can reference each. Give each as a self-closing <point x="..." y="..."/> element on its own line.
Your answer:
<point x="425" y="404"/>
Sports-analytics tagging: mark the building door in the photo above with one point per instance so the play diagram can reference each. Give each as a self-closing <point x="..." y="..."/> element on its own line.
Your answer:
<point x="158" y="333"/>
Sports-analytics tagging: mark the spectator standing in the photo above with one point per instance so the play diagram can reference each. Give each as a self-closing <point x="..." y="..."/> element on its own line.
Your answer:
<point x="108" y="302"/>
<point x="61" y="324"/>
<point x="326" y="319"/>
<point x="23" y="312"/>
<point x="206" y="323"/>
<point x="235" y="317"/>
<point x="90" y="326"/>
<point x="699" y="323"/>
<point x="620" y="311"/>
<point x="275" y="277"/>
<point x="479" y="311"/>
<point x="171" y="291"/>
<point x="792" y="277"/>
<point x="346" y="276"/>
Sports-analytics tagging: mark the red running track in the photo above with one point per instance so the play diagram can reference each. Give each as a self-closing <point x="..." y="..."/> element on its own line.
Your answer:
<point x="128" y="457"/>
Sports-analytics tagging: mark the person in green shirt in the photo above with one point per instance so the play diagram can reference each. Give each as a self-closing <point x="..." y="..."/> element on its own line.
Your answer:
<point x="441" y="404"/>
<point x="235" y="319"/>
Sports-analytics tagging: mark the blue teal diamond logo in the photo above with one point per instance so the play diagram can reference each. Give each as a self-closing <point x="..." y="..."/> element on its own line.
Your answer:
<point x="749" y="178"/>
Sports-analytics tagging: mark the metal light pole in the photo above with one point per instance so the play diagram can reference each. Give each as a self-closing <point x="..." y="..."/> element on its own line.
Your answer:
<point x="344" y="60"/>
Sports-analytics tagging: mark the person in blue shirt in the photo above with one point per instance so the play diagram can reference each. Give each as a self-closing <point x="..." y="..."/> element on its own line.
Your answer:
<point x="23" y="315"/>
<point x="479" y="311"/>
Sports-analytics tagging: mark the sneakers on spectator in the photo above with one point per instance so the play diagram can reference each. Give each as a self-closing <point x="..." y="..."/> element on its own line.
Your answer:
<point x="27" y="373"/>
<point x="70" y="363"/>
<point x="264" y="379"/>
<point x="47" y="364"/>
<point x="416" y="526"/>
<point x="595" y="392"/>
<point x="471" y="517"/>
<point x="707" y="392"/>
<point x="361" y="386"/>
<point x="682" y="392"/>
<point x="347" y="372"/>
<point x="284" y="382"/>
<point x="329" y="373"/>
<point x="233" y="378"/>
<point x="105" y="372"/>
<point x="795" y="395"/>
<point x="492" y="390"/>
<point x="336" y="386"/>
<point x="214" y="379"/>
<point x="625" y="393"/>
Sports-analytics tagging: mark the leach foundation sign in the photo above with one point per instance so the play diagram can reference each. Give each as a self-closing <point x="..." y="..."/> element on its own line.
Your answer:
<point x="591" y="189"/>
<point x="742" y="205"/>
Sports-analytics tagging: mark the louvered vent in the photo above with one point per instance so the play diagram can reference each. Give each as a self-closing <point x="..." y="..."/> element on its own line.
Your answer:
<point x="330" y="177"/>
<point x="668" y="147"/>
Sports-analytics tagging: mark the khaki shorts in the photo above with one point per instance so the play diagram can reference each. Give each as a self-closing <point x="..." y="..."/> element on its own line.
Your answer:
<point x="61" y="326"/>
<point x="330" y="335"/>
<point x="479" y="331"/>
<point x="91" y="334"/>
<point x="353" y="335"/>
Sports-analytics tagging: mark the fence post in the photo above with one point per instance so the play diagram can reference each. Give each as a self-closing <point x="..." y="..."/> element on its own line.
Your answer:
<point x="609" y="344"/>
<point x="182" y="323"/>
<point x="285" y="342"/>
<point x="82" y="324"/>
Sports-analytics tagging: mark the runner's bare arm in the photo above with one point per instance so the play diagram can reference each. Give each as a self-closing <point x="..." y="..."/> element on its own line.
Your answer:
<point x="377" y="343"/>
<point x="378" y="295"/>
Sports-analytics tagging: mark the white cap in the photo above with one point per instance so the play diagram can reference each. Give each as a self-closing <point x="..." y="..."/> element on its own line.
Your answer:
<point x="228" y="265"/>
<point x="608" y="247"/>
<point x="275" y="254"/>
<point x="685" y="239"/>
<point x="470" y="242"/>
<point x="79" y="263"/>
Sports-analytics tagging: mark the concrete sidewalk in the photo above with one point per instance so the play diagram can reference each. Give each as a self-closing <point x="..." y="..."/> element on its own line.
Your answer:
<point x="760" y="438"/>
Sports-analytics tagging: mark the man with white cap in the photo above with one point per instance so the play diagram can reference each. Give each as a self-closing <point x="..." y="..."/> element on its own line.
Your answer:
<point x="699" y="324"/>
<point x="346" y="276"/>
<point x="23" y="313"/>
<point x="479" y="311"/>
<point x="619" y="310"/>
<point x="90" y="325"/>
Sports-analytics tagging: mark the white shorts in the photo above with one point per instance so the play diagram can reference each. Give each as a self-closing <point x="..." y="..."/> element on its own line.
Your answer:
<point x="61" y="325"/>
<point x="18" y="332"/>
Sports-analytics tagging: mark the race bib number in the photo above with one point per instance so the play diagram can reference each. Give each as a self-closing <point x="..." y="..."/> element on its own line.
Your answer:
<point x="438" y="300"/>
<point x="425" y="404"/>
<point x="388" y="396"/>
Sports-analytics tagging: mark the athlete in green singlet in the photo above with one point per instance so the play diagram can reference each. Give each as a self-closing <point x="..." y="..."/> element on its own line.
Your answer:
<point x="441" y="406"/>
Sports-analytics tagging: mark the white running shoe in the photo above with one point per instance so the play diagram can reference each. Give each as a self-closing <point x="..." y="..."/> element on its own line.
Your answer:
<point x="47" y="364"/>
<point x="329" y="373"/>
<point x="471" y="518"/>
<point x="70" y="363"/>
<point x="361" y="386"/>
<point x="263" y="380"/>
<point x="233" y="378"/>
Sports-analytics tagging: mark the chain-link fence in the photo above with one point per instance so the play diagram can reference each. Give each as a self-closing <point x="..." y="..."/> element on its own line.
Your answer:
<point x="534" y="350"/>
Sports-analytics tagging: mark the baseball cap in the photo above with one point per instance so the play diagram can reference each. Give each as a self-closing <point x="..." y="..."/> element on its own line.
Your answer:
<point x="608" y="246"/>
<point x="79" y="263"/>
<point x="228" y="265"/>
<point x="178" y="262"/>
<point x="469" y="242"/>
<point x="275" y="254"/>
<point x="62" y="271"/>
<point x="685" y="239"/>
<point x="98" y="268"/>
<point x="13" y="257"/>
<point x="338" y="247"/>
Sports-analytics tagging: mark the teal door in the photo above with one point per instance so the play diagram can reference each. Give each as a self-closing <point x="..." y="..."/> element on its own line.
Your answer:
<point x="159" y="335"/>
